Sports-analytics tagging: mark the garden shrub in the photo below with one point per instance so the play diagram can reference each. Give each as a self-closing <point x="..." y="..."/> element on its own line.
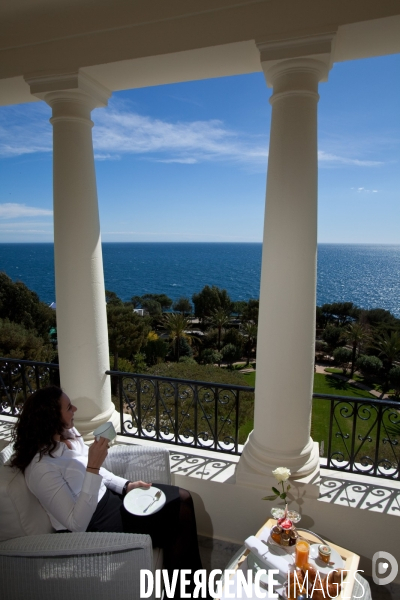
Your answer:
<point x="369" y="366"/>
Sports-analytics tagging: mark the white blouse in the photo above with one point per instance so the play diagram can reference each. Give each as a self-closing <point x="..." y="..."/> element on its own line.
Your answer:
<point x="64" y="488"/>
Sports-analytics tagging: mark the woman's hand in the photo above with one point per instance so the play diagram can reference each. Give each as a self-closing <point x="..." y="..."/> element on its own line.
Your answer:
<point x="135" y="484"/>
<point x="97" y="454"/>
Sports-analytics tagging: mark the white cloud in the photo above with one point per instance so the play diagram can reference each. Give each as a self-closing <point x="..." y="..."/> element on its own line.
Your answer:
<point x="360" y="190"/>
<point x="25" y="130"/>
<point x="183" y="161"/>
<point x="14" y="211"/>
<point x="122" y="132"/>
<point x="332" y="158"/>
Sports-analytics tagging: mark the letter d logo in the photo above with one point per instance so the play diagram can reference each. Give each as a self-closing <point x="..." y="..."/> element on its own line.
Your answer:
<point x="384" y="568"/>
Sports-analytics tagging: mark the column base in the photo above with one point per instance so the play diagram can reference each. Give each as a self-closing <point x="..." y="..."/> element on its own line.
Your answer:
<point x="255" y="468"/>
<point x="86" y="427"/>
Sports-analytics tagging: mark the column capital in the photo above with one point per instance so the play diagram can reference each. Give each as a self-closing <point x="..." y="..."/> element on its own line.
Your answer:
<point x="69" y="86"/>
<point x="312" y="54"/>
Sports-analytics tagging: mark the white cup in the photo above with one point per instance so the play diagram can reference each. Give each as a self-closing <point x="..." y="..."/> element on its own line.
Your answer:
<point x="105" y="431"/>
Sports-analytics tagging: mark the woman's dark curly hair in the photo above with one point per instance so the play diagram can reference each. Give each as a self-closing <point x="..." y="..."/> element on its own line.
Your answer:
<point x="38" y="423"/>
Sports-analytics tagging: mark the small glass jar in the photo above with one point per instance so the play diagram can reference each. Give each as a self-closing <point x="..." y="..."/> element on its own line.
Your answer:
<point x="324" y="552"/>
<point x="294" y="536"/>
<point x="285" y="538"/>
<point x="276" y="533"/>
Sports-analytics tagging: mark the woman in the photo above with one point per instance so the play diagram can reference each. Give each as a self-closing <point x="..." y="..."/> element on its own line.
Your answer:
<point x="78" y="494"/>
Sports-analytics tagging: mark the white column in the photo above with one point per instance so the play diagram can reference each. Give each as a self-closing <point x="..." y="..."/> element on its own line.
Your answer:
<point x="80" y="294"/>
<point x="286" y="331"/>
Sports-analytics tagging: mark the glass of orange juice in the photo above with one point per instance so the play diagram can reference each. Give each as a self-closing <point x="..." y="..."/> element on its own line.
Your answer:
<point x="302" y="553"/>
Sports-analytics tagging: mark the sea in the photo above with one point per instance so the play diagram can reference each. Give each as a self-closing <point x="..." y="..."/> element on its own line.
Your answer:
<point x="366" y="274"/>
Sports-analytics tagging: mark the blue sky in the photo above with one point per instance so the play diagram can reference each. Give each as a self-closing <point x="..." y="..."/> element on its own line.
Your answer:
<point x="187" y="162"/>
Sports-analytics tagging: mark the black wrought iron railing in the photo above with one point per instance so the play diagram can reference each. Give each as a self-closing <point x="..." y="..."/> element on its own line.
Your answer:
<point x="361" y="435"/>
<point x="357" y="435"/>
<point x="198" y="414"/>
<point x="19" y="378"/>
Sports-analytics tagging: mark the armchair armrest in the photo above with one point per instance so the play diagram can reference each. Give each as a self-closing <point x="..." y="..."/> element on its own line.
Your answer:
<point x="75" y="565"/>
<point x="139" y="462"/>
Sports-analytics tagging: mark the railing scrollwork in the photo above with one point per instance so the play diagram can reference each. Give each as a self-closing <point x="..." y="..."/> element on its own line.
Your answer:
<point x="178" y="411"/>
<point x="19" y="378"/>
<point x="363" y="436"/>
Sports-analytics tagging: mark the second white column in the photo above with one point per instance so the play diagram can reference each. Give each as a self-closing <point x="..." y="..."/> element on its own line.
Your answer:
<point x="286" y="331"/>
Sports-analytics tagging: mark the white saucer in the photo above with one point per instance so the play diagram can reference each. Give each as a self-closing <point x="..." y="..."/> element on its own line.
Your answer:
<point x="323" y="567"/>
<point x="137" y="500"/>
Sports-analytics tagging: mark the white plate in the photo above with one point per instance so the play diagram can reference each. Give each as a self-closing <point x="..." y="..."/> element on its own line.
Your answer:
<point x="137" y="500"/>
<point x="323" y="567"/>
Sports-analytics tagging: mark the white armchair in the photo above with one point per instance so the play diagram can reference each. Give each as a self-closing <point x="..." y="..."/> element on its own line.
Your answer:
<point x="36" y="563"/>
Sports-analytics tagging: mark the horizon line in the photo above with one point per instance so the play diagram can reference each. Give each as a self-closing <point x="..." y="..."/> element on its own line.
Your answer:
<point x="209" y="242"/>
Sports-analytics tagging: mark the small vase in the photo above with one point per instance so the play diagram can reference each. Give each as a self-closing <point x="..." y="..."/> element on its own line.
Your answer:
<point x="278" y="512"/>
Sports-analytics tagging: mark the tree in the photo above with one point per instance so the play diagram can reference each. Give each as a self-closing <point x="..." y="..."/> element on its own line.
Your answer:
<point x="333" y="336"/>
<point x="342" y="357"/>
<point x="155" y="351"/>
<point x="379" y="319"/>
<point x="136" y="301"/>
<point x="250" y="312"/>
<point x="369" y="366"/>
<point x="389" y="347"/>
<point x="164" y="301"/>
<point x="394" y="380"/>
<point x="238" y="307"/>
<point x="209" y="300"/>
<point x="219" y="318"/>
<point x="250" y="334"/>
<point x="185" y="350"/>
<point x="340" y="313"/>
<point x="127" y="332"/>
<point x="153" y="307"/>
<point x="20" y="305"/>
<point x="112" y="299"/>
<point x="321" y="320"/>
<point x="18" y="342"/>
<point x="231" y="354"/>
<point x="177" y="326"/>
<point x="355" y="334"/>
<point x="211" y="357"/>
<point x="182" y="305"/>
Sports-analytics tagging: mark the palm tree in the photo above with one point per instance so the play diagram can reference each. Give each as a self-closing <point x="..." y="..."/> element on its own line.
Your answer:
<point x="177" y="326"/>
<point x="219" y="318"/>
<point x="250" y="332"/>
<point x="355" y="334"/>
<point x="389" y="347"/>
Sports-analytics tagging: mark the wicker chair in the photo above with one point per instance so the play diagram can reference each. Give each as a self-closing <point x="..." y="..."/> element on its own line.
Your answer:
<point x="35" y="563"/>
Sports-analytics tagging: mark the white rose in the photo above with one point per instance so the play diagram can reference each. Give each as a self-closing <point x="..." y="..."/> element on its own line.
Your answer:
<point x="281" y="474"/>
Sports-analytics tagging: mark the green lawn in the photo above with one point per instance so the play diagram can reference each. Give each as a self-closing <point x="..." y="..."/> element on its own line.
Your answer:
<point x="365" y="423"/>
<point x="360" y="379"/>
<point x="326" y="384"/>
<point x="250" y="378"/>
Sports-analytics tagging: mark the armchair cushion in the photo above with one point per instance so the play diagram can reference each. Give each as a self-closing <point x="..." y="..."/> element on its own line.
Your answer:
<point x="21" y="513"/>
